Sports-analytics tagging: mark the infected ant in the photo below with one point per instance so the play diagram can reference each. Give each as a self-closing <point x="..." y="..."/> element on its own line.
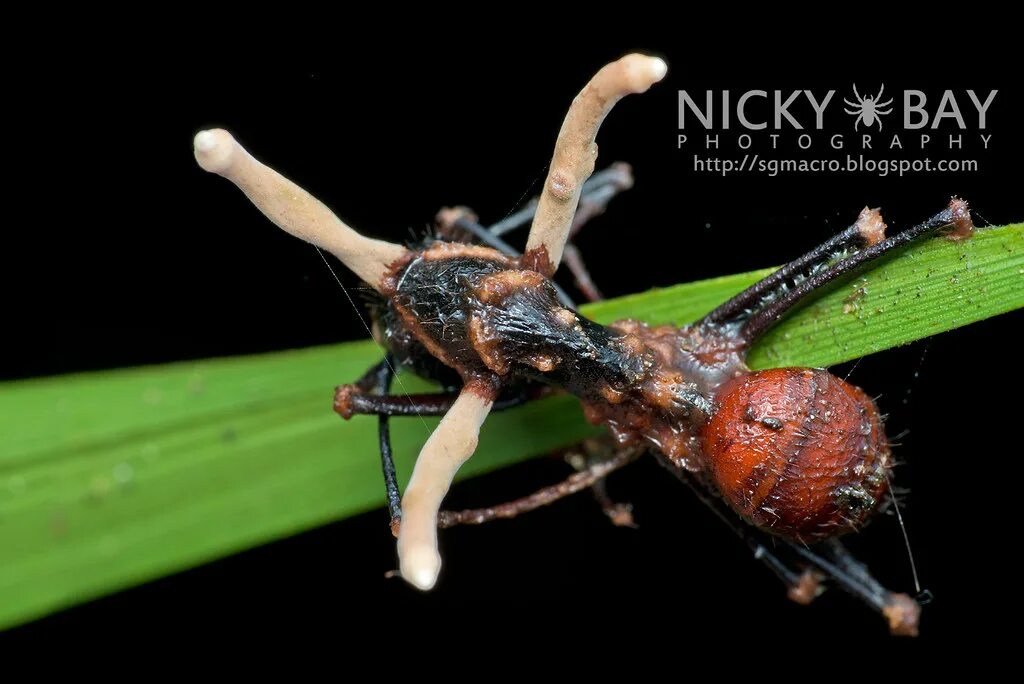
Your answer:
<point x="868" y="109"/>
<point x="800" y="455"/>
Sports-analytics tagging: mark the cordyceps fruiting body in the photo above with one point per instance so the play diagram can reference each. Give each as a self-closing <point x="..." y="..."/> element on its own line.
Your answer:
<point x="796" y="452"/>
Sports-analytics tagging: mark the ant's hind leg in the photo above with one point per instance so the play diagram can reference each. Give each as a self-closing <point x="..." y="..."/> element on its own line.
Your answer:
<point x="801" y="586"/>
<point x="869" y="229"/>
<point x="900" y="610"/>
<point x="956" y="216"/>
<point x="763" y="304"/>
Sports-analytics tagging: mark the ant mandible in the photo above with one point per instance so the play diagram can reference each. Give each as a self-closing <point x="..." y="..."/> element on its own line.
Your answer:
<point x="797" y="453"/>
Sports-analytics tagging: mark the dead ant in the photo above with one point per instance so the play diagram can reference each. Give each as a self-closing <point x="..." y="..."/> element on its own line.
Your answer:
<point x="797" y="453"/>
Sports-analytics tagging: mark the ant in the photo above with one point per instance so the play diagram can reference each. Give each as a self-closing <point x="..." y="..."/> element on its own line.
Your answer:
<point x="798" y="454"/>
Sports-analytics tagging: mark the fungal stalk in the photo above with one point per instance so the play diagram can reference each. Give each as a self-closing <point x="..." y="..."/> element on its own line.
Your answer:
<point x="576" y="152"/>
<point x="294" y="210"/>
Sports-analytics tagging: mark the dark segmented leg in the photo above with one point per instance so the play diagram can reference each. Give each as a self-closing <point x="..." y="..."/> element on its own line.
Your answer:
<point x="801" y="587"/>
<point x="355" y="399"/>
<point x="597" y="192"/>
<point x="955" y="215"/>
<point x="383" y="373"/>
<point x="858" y="235"/>
<point x="900" y="610"/>
<point x="591" y="452"/>
<point x="574" y="483"/>
<point x="350" y="400"/>
<point x="581" y="275"/>
<point x="371" y="379"/>
<point x="620" y="514"/>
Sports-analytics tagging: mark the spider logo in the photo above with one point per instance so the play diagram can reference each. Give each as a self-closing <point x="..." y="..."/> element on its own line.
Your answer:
<point x="868" y="109"/>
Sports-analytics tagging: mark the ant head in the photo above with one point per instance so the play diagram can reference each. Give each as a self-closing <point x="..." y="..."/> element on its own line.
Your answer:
<point x="798" y="452"/>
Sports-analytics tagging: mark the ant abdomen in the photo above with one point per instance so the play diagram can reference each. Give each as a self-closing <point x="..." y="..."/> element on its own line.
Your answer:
<point x="798" y="452"/>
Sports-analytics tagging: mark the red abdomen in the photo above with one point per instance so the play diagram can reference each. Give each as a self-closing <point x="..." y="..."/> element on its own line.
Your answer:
<point x="798" y="452"/>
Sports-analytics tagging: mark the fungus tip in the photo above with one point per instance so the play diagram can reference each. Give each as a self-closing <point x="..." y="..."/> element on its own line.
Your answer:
<point x="214" y="149"/>
<point x="421" y="566"/>
<point x="658" y="68"/>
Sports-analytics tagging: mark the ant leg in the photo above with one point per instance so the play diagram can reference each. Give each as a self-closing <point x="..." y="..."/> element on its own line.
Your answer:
<point x="901" y="611"/>
<point x="769" y="298"/>
<point x="868" y="229"/>
<point x="378" y="378"/>
<point x="371" y="379"/>
<point x="620" y="514"/>
<point x="351" y="400"/>
<point x="573" y="260"/>
<point x="574" y="483"/>
<point x="384" y="375"/>
<point x="801" y="587"/>
<point x="594" y="451"/>
<point x="357" y="400"/>
<point x="598" y="191"/>
<point x="955" y="215"/>
<point x="454" y="222"/>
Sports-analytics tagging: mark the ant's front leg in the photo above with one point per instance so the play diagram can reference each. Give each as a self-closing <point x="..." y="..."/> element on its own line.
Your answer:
<point x="356" y="399"/>
<point x="598" y="191"/>
<point x="353" y="400"/>
<point x="378" y="379"/>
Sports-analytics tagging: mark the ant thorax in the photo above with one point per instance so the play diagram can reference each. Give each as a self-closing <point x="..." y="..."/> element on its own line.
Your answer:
<point x="497" y="324"/>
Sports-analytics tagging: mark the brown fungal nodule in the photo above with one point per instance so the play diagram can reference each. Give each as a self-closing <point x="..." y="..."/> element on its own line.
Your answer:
<point x="796" y="452"/>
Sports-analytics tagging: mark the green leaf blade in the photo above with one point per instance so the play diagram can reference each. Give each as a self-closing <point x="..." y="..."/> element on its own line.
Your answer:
<point x="114" y="478"/>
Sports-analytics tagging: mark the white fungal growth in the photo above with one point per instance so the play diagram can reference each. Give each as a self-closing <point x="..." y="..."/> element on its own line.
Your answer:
<point x="293" y="209"/>
<point x="451" y="445"/>
<point x="871" y="226"/>
<point x="576" y="151"/>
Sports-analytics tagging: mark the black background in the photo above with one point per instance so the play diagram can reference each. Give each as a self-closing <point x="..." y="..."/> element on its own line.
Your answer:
<point x="138" y="257"/>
